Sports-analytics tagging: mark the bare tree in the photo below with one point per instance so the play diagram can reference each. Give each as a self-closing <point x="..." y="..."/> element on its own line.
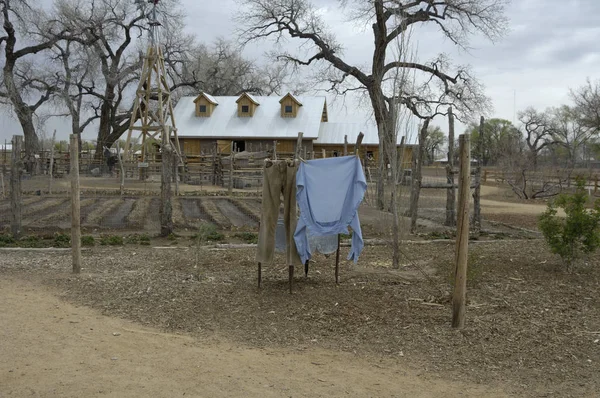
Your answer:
<point x="587" y="103"/>
<point x="570" y="132"/>
<point x="221" y="70"/>
<point x="433" y="143"/>
<point x="77" y="71"/>
<point x="538" y="130"/>
<point x="438" y="84"/>
<point x="21" y="84"/>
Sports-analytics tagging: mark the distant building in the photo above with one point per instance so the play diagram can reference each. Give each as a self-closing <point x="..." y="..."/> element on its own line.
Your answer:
<point x="251" y="123"/>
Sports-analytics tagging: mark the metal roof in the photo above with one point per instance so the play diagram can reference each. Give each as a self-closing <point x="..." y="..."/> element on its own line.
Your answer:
<point x="266" y="123"/>
<point x="332" y="133"/>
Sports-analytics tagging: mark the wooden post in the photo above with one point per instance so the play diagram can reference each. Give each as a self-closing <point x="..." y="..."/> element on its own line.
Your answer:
<point x="595" y="184"/>
<point x="462" y="235"/>
<point x="120" y="159"/>
<point x="2" y="181"/>
<point x="51" y="168"/>
<point x="75" y="206"/>
<point x="337" y="261"/>
<point x="346" y="145"/>
<point x="299" y="145"/>
<point x="15" y="185"/>
<point x="259" y="274"/>
<point x="417" y="177"/>
<point x="323" y="153"/>
<point x="274" y="149"/>
<point x="230" y="189"/>
<point x="306" y="268"/>
<point x="451" y="192"/>
<point x="477" y="193"/>
<point x="358" y="144"/>
<point x="291" y="277"/>
<point x="166" y="208"/>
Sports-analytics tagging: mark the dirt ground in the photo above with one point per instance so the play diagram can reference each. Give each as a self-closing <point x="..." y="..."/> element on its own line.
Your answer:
<point x="51" y="348"/>
<point x="532" y="329"/>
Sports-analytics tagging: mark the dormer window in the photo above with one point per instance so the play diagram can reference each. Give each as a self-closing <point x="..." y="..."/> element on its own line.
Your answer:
<point x="247" y="105"/>
<point x="290" y="105"/>
<point x="205" y="105"/>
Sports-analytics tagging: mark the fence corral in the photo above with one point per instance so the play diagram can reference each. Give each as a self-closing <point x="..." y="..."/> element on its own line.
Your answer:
<point x="203" y="193"/>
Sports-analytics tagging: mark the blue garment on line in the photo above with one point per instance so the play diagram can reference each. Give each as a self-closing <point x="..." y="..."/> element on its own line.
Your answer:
<point x="328" y="192"/>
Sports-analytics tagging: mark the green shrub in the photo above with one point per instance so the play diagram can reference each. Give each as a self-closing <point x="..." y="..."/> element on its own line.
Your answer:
<point x="30" y="241"/>
<point x="248" y="237"/>
<point x="578" y="232"/>
<point x="87" y="240"/>
<point x="208" y="232"/>
<point x="111" y="240"/>
<point x="7" y="240"/>
<point x="132" y="239"/>
<point x="144" y="240"/>
<point x="62" y="240"/>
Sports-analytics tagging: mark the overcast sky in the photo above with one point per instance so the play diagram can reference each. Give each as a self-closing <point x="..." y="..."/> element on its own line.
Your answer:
<point x="551" y="47"/>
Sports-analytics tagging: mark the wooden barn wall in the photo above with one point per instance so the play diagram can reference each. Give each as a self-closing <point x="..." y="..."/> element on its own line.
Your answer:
<point x="198" y="146"/>
<point x="331" y="151"/>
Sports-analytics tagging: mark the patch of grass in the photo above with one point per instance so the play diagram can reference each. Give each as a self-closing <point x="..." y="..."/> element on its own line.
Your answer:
<point x="111" y="240"/>
<point x="208" y="232"/>
<point x="172" y="237"/>
<point x="87" y="240"/>
<point x="248" y="237"/>
<point x="346" y="236"/>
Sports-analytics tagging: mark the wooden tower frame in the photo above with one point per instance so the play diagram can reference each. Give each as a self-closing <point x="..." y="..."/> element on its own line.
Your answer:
<point x="152" y="104"/>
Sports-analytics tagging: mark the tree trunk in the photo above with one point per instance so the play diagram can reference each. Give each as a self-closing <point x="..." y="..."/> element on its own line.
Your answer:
<point x="23" y="111"/>
<point x="384" y="131"/>
<point x="105" y="127"/>
<point x="417" y="178"/>
<point x="451" y="192"/>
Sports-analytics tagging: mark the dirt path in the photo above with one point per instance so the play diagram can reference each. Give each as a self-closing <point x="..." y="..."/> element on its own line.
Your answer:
<point x="54" y="349"/>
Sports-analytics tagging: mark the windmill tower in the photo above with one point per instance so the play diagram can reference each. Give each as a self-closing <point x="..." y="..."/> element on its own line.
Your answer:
<point x="152" y="105"/>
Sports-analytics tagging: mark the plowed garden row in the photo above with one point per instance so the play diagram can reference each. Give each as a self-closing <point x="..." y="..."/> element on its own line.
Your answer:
<point x="129" y="213"/>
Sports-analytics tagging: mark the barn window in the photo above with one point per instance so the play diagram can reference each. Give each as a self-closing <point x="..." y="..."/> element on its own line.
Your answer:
<point x="289" y="109"/>
<point x="202" y="108"/>
<point x="240" y="146"/>
<point x="245" y="108"/>
<point x="370" y="155"/>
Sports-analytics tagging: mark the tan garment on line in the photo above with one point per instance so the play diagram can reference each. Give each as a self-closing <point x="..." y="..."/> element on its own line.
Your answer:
<point x="279" y="177"/>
